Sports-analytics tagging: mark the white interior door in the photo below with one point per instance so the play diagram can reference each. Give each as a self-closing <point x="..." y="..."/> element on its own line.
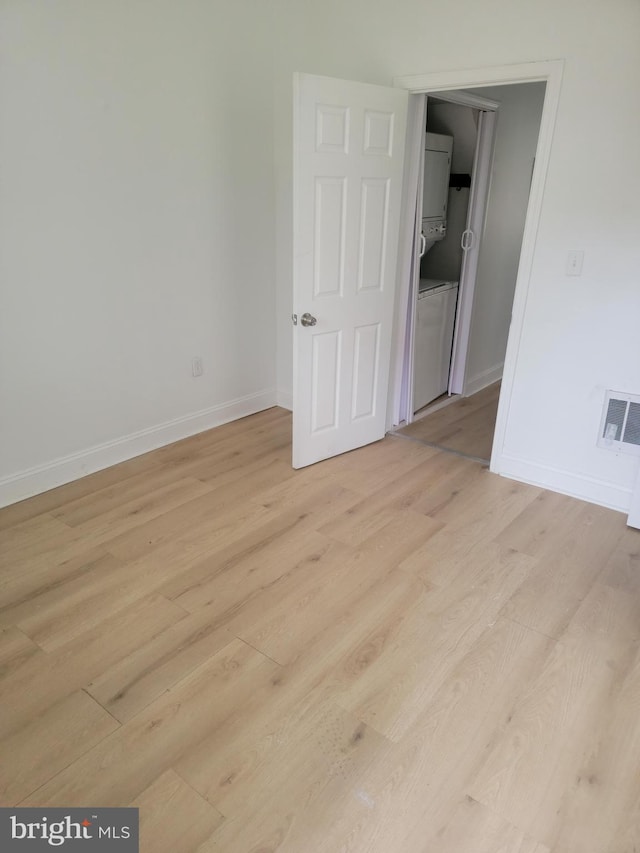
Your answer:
<point x="349" y="141"/>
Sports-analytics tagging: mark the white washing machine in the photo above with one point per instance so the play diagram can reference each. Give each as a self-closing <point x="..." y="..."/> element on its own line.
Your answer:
<point x="435" y="318"/>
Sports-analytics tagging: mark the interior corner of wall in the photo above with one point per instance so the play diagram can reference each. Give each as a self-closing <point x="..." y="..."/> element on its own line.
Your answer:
<point x="284" y="399"/>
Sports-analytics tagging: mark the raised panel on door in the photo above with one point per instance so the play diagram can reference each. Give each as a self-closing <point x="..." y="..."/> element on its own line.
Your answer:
<point x="365" y="371"/>
<point x="374" y="205"/>
<point x="325" y="373"/>
<point x="329" y="221"/>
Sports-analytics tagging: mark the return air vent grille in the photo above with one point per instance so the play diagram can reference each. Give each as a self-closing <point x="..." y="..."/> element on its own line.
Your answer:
<point x="632" y="427"/>
<point x="620" y="425"/>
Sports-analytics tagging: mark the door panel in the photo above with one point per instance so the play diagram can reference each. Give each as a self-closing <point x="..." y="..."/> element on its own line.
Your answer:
<point x="471" y="249"/>
<point x="325" y="377"/>
<point x="348" y="163"/>
<point x="374" y="208"/>
<point x="365" y="371"/>
<point x="330" y="196"/>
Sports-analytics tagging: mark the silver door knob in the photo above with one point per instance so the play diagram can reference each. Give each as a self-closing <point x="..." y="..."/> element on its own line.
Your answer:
<point x="307" y="319"/>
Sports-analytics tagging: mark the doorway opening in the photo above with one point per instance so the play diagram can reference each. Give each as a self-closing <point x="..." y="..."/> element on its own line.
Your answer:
<point x="356" y="244"/>
<point x="466" y="267"/>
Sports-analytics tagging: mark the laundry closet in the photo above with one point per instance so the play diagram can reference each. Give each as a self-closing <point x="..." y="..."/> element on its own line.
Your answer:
<point x="449" y="147"/>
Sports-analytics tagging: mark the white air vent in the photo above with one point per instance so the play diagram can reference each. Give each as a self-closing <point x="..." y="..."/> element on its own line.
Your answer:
<point x="620" y="425"/>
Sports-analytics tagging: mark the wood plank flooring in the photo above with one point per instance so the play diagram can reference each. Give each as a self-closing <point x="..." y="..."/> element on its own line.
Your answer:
<point x="466" y="425"/>
<point x="394" y="650"/>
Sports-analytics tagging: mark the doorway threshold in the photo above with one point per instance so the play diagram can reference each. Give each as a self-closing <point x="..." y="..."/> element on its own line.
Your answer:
<point x="397" y="434"/>
<point x="464" y="425"/>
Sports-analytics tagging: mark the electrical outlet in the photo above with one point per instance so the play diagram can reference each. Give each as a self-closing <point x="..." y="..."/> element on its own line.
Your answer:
<point x="196" y="366"/>
<point x="574" y="263"/>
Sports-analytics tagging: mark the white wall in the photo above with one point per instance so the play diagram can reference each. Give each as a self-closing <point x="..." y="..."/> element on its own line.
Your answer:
<point x="515" y="149"/>
<point x="136" y="216"/>
<point x="136" y="228"/>
<point x="580" y="334"/>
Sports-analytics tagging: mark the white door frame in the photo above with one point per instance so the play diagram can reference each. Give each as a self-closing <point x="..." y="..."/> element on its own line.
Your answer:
<point x="549" y="72"/>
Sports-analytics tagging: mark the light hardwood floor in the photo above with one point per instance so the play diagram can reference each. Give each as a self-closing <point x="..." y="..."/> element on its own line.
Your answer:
<point x="394" y="650"/>
<point x="465" y="425"/>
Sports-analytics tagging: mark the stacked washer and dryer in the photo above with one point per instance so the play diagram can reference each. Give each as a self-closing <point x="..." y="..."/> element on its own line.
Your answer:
<point x="437" y="299"/>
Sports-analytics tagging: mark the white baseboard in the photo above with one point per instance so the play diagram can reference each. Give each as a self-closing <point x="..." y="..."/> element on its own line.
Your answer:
<point x="566" y="482"/>
<point x="284" y="399"/>
<point x="483" y="380"/>
<point x="41" y="478"/>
